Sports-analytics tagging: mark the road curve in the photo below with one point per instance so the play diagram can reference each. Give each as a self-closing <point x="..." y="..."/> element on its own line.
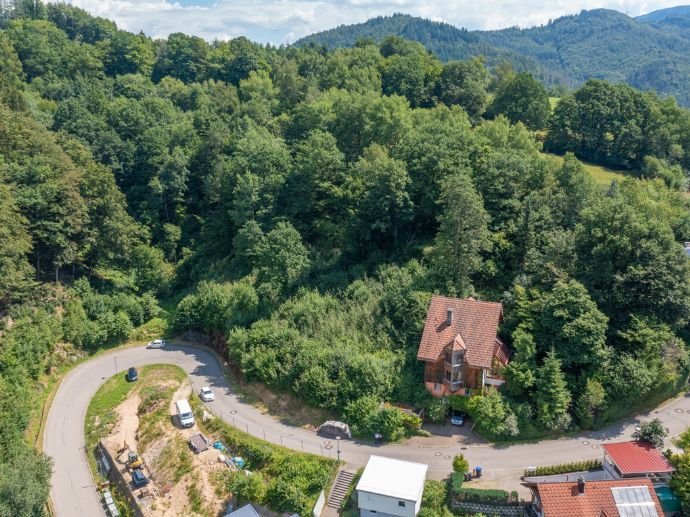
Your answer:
<point x="74" y="495"/>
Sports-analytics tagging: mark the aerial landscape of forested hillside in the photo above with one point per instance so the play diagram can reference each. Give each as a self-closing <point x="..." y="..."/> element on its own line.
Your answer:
<point x="650" y="52"/>
<point x="302" y="205"/>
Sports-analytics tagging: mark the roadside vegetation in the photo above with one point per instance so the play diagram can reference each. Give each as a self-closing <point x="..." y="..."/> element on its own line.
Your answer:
<point x="283" y="479"/>
<point x="301" y="206"/>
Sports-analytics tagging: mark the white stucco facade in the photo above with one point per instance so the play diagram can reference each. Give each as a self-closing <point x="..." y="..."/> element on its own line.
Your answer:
<point x="390" y="487"/>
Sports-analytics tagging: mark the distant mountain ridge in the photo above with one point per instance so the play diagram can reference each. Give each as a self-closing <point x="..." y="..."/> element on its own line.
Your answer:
<point x="651" y="52"/>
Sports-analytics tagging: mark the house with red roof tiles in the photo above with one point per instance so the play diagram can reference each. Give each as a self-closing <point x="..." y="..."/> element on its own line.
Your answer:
<point x="636" y="459"/>
<point x="460" y="346"/>
<point x="608" y="498"/>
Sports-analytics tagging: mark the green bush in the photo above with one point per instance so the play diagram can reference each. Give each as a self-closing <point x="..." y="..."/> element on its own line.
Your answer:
<point x="437" y="410"/>
<point x="291" y="480"/>
<point x="460" y="464"/>
<point x="564" y="468"/>
<point x="479" y="495"/>
<point x="456" y="481"/>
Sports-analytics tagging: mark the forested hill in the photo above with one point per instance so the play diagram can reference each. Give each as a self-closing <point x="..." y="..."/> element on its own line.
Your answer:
<point x="303" y="205"/>
<point x="650" y="53"/>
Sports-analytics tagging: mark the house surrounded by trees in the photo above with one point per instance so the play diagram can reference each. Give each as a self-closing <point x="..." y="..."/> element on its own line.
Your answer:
<point x="461" y="347"/>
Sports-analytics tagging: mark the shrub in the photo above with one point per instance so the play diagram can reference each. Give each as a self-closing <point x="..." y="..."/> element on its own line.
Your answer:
<point x="460" y="464"/>
<point x="437" y="410"/>
<point x="456" y="481"/>
<point x="478" y="495"/>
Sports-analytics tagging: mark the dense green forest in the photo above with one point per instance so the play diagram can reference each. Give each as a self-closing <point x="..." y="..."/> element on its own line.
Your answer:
<point x="650" y="52"/>
<point x="303" y="205"/>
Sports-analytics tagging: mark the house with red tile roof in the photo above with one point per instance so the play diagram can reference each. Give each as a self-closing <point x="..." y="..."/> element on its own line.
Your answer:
<point x="636" y="459"/>
<point x="609" y="498"/>
<point x="460" y="346"/>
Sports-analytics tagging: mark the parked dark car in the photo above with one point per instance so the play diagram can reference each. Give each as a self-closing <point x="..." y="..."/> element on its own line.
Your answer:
<point x="457" y="418"/>
<point x="139" y="479"/>
<point x="132" y="374"/>
<point x="333" y="429"/>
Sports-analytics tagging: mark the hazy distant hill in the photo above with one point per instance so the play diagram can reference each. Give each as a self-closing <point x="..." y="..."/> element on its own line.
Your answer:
<point x="661" y="14"/>
<point x="650" y="52"/>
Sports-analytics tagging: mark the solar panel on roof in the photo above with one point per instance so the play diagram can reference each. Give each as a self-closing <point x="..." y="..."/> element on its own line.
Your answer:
<point x="634" y="501"/>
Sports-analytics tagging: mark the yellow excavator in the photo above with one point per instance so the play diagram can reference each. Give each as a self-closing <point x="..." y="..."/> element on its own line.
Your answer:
<point x="134" y="461"/>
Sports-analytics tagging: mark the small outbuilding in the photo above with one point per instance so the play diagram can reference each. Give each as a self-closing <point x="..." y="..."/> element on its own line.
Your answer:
<point x="390" y="487"/>
<point x="198" y="443"/>
<point x="636" y="459"/>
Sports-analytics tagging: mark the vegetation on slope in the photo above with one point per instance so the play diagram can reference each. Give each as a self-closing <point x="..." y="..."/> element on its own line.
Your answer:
<point x="303" y="206"/>
<point x="650" y="52"/>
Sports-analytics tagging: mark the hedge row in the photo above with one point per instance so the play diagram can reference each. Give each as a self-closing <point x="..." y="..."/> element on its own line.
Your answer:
<point x="564" y="468"/>
<point x="479" y="495"/>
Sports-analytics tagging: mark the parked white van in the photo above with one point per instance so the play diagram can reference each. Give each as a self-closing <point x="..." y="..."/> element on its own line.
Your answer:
<point x="184" y="413"/>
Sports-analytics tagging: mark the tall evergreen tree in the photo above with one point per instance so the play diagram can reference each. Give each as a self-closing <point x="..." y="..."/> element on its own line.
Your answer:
<point x="463" y="234"/>
<point x="552" y="396"/>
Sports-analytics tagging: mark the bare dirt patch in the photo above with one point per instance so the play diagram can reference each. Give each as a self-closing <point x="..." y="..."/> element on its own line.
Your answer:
<point x="181" y="483"/>
<point x="283" y="406"/>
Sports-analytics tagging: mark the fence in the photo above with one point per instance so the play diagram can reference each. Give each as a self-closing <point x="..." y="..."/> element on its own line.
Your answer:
<point x="326" y="448"/>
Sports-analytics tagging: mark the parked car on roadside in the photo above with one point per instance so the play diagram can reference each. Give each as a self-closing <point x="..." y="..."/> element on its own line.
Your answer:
<point x="457" y="417"/>
<point x="334" y="429"/>
<point x="206" y="394"/>
<point x="132" y="374"/>
<point x="156" y="343"/>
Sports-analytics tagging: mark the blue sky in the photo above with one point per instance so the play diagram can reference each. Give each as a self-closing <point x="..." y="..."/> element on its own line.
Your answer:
<point x="284" y="21"/>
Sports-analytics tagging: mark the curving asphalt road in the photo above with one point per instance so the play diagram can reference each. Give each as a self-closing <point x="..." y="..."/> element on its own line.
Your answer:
<point x="74" y="495"/>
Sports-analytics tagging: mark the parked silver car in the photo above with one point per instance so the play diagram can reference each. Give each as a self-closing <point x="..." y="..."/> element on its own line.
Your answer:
<point x="156" y="343"/>
<point x="206" y="394"/>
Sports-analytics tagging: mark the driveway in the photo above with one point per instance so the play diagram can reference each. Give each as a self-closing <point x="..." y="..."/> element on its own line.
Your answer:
<point x="74" y="495"/>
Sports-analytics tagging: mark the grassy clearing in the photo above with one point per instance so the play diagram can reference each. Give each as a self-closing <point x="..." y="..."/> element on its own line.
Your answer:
<point x="156" y="395"/>
<point x="101" y="416"/>
<point x="174" y="461"/>
<point x="600" y="175"/>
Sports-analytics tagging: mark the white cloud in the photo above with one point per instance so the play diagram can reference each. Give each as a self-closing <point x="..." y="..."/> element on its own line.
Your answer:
<point x="284" y="21"/>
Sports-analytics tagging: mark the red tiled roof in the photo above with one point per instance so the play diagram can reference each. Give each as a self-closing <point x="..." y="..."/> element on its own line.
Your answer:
<point x="637" y="458"/>
<point x="564" y="499"/>
<point x="475" y="322"/>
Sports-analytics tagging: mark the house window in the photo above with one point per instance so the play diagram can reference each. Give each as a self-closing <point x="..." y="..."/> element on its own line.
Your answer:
<point x="401" y="503"/>
<point x="447" y="375"/>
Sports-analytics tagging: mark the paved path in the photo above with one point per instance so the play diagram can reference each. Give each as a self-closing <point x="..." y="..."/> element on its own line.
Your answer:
<point x="73" y="493"/>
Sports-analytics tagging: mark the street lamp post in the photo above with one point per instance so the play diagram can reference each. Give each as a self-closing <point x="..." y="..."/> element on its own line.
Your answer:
<point x="337" y="441"/>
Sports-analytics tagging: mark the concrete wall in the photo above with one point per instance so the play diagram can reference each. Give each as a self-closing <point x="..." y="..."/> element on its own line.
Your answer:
<point x="383" y="504"/>
<point x="320" y="503"/>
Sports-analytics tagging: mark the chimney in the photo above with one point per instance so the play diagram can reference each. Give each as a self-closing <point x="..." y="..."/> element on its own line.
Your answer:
<point x="449" y="316"/>
<point x="581" y="485"/>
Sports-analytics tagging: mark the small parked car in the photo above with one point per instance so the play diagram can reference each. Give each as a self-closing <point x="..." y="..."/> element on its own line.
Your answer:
<point x="457" y="418"/>
<point x="206" y="394"/>
<point x="139" y="479"/>
<point x="334" y="429"/>
<point x="156" y="343"/>
<point x="132" y="374"/>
